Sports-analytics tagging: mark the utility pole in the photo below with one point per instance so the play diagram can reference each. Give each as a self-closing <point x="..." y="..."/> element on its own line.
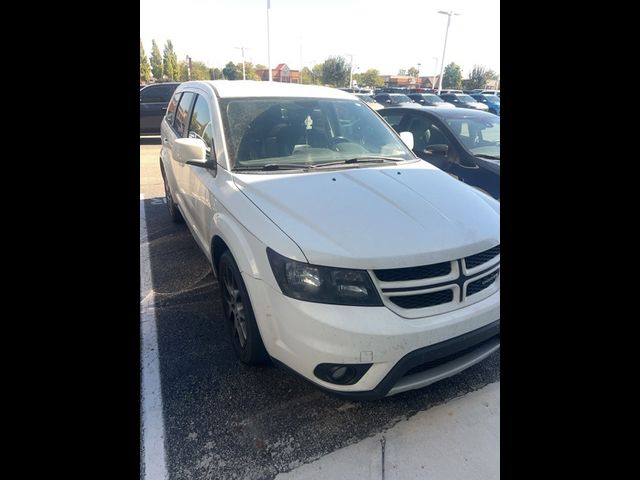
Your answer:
<point x="188" y="67"/>
<point x="244" y="76"/>
<point x="268" y="43"/>
<point x="350" y="55"/>
<point x="435" y="72"/>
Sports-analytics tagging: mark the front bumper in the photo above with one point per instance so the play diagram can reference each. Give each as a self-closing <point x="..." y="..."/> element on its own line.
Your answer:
<point x="302" y="335"/>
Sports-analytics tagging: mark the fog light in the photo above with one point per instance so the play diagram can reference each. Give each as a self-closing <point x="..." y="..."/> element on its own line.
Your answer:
<point x="337" y="373"/>
<point x="341" y="374"/>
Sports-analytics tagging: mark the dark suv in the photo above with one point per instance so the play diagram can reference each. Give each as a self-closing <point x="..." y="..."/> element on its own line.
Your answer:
<point x="153" y="105"/>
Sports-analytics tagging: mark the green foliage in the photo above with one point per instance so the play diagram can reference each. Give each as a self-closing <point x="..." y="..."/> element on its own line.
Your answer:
<point x="199" y="71"/>
<point x="402" y="72"/>
<point x="413" y="72"/>
<point x="452" y="77"/>
<point x="170" y="68"/>
<point x="230" y="73"/>
<point x="370" y="78"/>
<point x="216" y="74"/>
<point x="249" y="70"/>
<point x="183" y="68"/>
<point x="306" y="76"/>
<point x="317" y="73"/>
<point x="156" y="61"/>
<point x="479" y="76"/>
<point x="259" y="66"/>
<point x="145" y="68"/>
<point x="335" y="71"/>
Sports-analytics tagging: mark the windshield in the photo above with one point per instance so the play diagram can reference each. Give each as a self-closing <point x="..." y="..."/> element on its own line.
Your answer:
<point x="367" y="98"/>
<point x="492" y="98"/>
<point x="481" y="135"/>
<point x="465" y="98"/>
<point x="399" y="98"/>
<point x="281" y="131"/>
<point x="433" y="99"/>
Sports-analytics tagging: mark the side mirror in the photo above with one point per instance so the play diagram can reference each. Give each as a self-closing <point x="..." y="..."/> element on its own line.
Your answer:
<point x="191" y="151"/>
<point x="407" y="138"/>
<point x="438" y="149"/>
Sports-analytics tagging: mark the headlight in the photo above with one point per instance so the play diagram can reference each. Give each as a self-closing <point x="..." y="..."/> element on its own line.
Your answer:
<point x="314" y="283"/>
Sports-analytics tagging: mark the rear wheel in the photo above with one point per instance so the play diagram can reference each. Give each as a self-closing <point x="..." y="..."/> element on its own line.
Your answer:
<point x="174" y="212"/>
<point x="245" y="336"/>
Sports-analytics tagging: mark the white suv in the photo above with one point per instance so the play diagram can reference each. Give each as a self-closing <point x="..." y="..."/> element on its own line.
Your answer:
<point x="339" y="253"/>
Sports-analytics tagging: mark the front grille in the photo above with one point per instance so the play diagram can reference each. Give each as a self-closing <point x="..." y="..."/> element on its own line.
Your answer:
<point x="414" y="273"/>
<point x="481" y="284"/>
<point x="424" y="299"/>
<point x="482" y="257"/>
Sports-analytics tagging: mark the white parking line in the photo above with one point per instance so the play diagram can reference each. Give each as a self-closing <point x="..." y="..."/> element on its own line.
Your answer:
<point x="155" y="466"/>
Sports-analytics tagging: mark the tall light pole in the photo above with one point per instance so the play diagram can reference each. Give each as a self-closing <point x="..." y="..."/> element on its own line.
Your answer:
<point x="448" y="14"/>
<point x="418" y="75"/>
<point x="268" y="43"/>
<point x="244" y="76"/>
<point x="435" y="71"/>
<point x="350" y="55"/>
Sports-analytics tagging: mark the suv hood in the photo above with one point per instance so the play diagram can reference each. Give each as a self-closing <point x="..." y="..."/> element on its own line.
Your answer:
<point x="377" y="217"/>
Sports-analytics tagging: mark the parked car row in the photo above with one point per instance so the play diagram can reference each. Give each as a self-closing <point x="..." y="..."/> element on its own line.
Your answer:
<point x="339" y="253"/>
<point x="488" y="103"/>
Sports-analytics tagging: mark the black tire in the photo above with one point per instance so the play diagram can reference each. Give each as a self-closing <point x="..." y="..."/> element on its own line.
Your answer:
<point x="238" y="313"/>
<point x="174" y="211"/>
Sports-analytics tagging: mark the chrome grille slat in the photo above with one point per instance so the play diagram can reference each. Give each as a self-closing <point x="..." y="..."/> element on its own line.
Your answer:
<point x="442" y="287"/>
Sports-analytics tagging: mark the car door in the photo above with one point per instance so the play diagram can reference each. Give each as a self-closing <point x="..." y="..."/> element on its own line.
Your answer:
<point x="167" y="137"/>
<point x="179" y="130"/>
<point x="199" y="198"/>
<point x="153" y="106"/>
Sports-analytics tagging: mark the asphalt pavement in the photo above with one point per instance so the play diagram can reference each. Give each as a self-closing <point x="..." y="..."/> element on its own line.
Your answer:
<point x="223" y="419"/>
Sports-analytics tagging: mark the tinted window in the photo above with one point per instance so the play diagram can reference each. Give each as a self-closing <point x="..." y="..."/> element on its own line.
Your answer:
<point x="200" y="125"/>
<point x="157" y="93"/>
<point x="171" y="109"/>
<point x="182" y="112"/>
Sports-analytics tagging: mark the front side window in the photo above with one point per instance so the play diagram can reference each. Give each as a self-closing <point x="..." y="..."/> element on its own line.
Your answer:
<point x="261" y="131"/>
<point x="200" y="125"/>
<point x="481" y="136"/>
<point x="182" y="112"/>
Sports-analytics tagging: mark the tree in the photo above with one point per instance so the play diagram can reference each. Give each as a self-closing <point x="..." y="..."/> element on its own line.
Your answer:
<point x="306" y="76"/>
<point x="413" y="72"/>
<point x="215" y="73"/>
<point x="229" y="71"/>
<point x="335" y="71"/>
<point x="145" y="68"/>
<point x="452" y="77"/>
<point x="259" y="66"/>
<point x="317" y="73"/>
<point x="199" y="71"/>
<point x="479" y="76"/>
<point x="170" y="68"/>
<point x="370" y="78"/>
<point x="402" y="72"/>
<point x="183" y="68"/>
<point x="249" y="71"/>
<point x="156" y="61"/>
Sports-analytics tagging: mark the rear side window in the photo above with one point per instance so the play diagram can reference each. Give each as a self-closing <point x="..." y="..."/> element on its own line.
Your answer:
<point x="171" y="109"/>
<point x="182" y="112"/>
<point x="200" y="124"/>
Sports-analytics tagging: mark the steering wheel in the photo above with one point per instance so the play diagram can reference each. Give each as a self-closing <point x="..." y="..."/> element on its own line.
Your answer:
<point x="336" y="140"/>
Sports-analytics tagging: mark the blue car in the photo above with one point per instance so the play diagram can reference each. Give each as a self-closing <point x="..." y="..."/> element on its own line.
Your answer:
<point x="491" y="101"/>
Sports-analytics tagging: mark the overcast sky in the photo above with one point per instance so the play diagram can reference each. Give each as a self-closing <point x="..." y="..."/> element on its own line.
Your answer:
<point x="383" y="34"/>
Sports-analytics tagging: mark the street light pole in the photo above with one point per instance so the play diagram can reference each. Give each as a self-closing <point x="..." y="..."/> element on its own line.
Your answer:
<point x="435" y="72"/>
<point x="448" y="14"/>
<point x="244" y="76"/>
<point x="268" y="43"/>
<point x="418" y="75"/>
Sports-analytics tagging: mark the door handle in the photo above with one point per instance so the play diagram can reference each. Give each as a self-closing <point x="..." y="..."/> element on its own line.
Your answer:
<point x="164" y="108"/>
<point x="165" y="139"/>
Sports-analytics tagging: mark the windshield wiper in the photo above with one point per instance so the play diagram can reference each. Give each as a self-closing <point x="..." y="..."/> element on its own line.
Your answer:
<point x="491" y="157"/>
<point x="276" y="166"/>
<point x="374" y="159"/>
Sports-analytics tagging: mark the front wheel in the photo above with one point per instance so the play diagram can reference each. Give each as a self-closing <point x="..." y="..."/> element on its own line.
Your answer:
<point x="245" y="336"/>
